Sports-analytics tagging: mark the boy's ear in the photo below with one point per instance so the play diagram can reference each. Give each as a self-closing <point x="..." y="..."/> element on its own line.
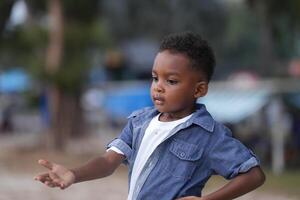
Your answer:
<point x="201" y="89"/>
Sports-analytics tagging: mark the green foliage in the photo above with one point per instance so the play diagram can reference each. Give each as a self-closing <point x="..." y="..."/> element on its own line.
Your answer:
<point x="80" y="42"/>
<point x="37" y="7"/>
<point x="81" y="11"/>
<point x="23" y="47"/>
<point x="242" y="38"/>
<point x="127" y="19"/>
<point x="283" y="18"/>
<point x="84" y="33"/>
<point x="79" y="37"/>
<point x="69" y="77"/>
<point x="94" y="25"/>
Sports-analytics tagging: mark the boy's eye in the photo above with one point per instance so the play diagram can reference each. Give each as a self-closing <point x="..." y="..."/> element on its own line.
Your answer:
<point x="172" y="82"/>
<point x="154" y="78"/>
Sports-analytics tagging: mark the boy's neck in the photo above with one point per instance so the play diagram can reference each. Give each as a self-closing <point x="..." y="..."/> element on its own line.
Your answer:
<point x="167" y="117"/>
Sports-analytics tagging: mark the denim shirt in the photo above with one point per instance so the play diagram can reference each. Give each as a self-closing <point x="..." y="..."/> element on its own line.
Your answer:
<point x="182" y="164"/>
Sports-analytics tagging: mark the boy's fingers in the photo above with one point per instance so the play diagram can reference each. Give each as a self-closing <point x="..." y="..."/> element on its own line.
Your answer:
<point x="42" y="177"/>
<point x="55" y="178"/>
<point x="46" y="164"/>
<point x="62" y="186"/>
<point x="49" y="184"/>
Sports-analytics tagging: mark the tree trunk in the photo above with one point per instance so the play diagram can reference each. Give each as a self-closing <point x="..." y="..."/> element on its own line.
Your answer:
<point x="267" y="57"/>
<point x="67" y="118"/>
<point x="56" y="36"/>
<point x="53" y="62"/>
<point x="66" y="114"/>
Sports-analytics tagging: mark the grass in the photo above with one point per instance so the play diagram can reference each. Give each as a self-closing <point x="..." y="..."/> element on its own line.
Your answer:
<point x="288" y="183"/>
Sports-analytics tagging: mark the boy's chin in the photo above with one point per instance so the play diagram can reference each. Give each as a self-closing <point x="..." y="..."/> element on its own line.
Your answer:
<point x="160" y="108"/>
<point x="163" y="109"/>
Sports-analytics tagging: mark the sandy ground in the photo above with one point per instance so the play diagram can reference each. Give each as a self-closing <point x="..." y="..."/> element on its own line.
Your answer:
<point x="21" y="186"/>
<point x="18" y="167"/>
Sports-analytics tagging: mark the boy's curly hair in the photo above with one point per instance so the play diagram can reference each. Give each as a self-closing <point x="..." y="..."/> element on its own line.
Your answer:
<point x="193" y="46"/>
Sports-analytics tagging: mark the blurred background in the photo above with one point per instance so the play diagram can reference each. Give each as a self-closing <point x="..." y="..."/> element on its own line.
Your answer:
<point x="71" y="71"/>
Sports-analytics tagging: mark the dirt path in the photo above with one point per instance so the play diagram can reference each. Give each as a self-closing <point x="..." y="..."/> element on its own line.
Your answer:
<point x="22" y="186"/>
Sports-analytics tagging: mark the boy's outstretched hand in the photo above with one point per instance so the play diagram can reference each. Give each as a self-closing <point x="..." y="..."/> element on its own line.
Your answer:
<point x="58" y="175"/>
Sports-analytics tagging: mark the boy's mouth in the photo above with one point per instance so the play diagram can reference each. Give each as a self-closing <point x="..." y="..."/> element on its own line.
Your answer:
<point x="158" y="100"/>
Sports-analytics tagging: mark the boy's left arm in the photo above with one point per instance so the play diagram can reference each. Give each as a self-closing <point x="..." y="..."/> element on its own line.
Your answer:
<point x="238" y="186"/>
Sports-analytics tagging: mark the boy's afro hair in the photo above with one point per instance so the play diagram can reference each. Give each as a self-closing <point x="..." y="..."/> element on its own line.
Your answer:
<point x="193" y="46"/>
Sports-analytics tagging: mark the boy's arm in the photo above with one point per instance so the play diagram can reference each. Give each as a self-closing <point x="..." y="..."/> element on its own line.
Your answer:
<point x="99" y="167"/>
<point x="60" y="176"/>
<point x="238" y="186"/>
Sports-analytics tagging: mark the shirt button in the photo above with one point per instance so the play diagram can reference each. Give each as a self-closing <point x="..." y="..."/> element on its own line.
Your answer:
<point x="182" y="154"/>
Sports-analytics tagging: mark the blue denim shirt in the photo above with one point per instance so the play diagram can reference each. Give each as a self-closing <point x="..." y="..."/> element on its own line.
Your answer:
<point x="182" y="164"/>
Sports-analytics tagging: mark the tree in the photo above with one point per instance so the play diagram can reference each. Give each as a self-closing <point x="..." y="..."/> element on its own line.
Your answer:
<point x="279" y="27"/>
<point x="151" y="20"/>
<point x="57" y="44"/>
<point x="53" y="63"/>
<point x="71" y="39"/>
<point x="134" y="18"/>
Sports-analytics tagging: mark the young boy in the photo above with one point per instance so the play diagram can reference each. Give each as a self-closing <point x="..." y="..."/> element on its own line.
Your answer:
<point x="173" y="148"/>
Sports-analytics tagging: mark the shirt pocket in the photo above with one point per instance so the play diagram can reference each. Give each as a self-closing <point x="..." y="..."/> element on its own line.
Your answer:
<point x="182" y="159"/>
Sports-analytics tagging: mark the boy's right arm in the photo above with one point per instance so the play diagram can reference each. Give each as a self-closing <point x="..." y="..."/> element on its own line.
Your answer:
<point x="99" y="167"/>
<point x="59" y="176"/>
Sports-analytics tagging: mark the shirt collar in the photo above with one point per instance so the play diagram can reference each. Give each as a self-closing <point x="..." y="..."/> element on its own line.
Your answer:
<point x="202" y="118"/>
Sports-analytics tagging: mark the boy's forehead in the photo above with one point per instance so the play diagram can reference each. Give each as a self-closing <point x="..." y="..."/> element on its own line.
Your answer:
<point x="167" y="58"/>
<point x="172" y="61"/>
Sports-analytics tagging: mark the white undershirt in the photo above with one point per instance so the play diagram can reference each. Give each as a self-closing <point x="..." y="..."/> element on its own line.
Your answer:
<point x="155" y="134"/>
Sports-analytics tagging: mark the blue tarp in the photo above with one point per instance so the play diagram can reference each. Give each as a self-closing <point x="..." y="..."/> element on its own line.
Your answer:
<point x="14" y="80"/>
<point x="122" y="102"/>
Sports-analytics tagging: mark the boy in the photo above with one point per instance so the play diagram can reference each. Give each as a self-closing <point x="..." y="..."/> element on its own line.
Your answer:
<point x="172" y="149"/>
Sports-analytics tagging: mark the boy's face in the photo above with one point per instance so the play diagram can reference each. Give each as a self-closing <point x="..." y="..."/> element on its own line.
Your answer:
<point x="176" y="85"/>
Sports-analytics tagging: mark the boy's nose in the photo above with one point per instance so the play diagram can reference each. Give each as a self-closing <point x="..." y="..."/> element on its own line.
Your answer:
<point x="158" y="88"/>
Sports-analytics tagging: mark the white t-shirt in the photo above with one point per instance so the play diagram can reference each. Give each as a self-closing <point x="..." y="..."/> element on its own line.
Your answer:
<point x="155" y="134"/>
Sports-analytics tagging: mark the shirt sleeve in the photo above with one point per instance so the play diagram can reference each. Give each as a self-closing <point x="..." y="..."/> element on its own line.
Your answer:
<point x="115" y="149"/>
<point x="229" y="157"/>
<point x="124" y="142"/>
